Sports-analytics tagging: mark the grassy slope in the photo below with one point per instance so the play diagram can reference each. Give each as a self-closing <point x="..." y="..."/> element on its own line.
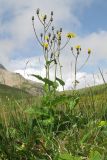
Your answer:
<point x="96" y="90"/>
<point x="89" y="111"/>
<point x="14" y="93"/>
<point x="93" y="98"/>
<point x="11" y="93"/>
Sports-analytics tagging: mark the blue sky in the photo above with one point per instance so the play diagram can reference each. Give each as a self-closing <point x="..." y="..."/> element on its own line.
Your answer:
<point x="93" y="18"/>
<point x="85" y="17"/>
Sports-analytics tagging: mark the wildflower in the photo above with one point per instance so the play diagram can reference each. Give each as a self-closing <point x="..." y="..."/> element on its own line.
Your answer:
<point x="20" y="148"/>
<point x="59" y="35"/>
<point x="47" y="38"/>
<point x="89" y="51"/>
<point x="45" y="45"/>
<point x="71" y="35"/>
<point x="43" y="17"/>
<point x="102" y="123"/>
<point x="23" y="146"/>
<point x="78" y="47"/>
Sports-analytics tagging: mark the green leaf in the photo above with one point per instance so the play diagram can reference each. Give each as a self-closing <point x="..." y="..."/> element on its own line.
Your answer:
<point x="49" y="62"/>
<point x="67" y="156"/>
<point x="73" y="103"/>
<point x="95" y="155"/>
<point x="86" y="137"/>
<point x="48" y="121"/>
<point x="50" y="83"/>
<point x="38" y="77"/>
<point x="30" y="111"/>
<point x="62" y="83"/>
<point x="34" y="123"/>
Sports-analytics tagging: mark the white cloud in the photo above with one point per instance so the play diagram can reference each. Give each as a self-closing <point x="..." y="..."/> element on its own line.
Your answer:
<point x="20" y="28"/>
<point x="84" y="79"/>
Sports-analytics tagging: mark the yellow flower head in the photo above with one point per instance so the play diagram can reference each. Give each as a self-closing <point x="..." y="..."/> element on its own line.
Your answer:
<point x="45" y="45"/>
<point x="102" y="123"/>
<point x="23" y="146"/>
<point x="89" y="51"/>
<point x="43" y="17"/>
<point x="78" y="47"/>
<point x="71" y="35"/>
<point x="47" y="38"/>
<point x="59" y="35"/>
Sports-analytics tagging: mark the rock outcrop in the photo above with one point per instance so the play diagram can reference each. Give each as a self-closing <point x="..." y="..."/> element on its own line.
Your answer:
<point x="17" y="81"/>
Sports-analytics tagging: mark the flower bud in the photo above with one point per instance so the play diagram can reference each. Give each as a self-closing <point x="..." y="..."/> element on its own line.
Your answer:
<point x="32" y="18"/>
<point x="49" y="35"/>
<point x="51" y="13"/>
<point x="54" y="37"/>
<point x="57" y="31"/>
<point x="78" y="52"/>
<point x="89" y="51"/>
<point x="37" y="12"/>
<point x="52" y="28"/>
<point x="41" y="35"/>
<point x="60" y="29"/>
<point x="71" y="48"/>
<point x="45" y="17"/>
<point x="51" y="19"/>
<point x="59" y="38"/>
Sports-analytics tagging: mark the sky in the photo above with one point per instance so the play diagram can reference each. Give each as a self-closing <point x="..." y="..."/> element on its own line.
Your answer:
<point x="20" y="52"/>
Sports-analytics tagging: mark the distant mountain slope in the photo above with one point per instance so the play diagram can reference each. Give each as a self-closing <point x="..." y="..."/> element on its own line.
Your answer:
<point x="2" y="67"/>
<point x="11" y="92"/>
<point x="16" y="80"/>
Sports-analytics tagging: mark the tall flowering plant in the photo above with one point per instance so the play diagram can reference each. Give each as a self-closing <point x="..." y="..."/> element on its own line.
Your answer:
<point x="51" y="42"/>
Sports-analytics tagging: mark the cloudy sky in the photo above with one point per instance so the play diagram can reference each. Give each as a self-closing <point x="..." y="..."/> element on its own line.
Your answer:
<point x="87" y="18"/>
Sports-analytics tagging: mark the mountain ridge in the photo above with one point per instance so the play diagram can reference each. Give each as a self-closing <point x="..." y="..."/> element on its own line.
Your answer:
<point x="18" y="81"/>
<point x="2" y="67"/>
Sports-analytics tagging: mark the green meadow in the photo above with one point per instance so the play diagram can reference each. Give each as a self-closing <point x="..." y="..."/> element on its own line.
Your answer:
<point x="32" y="129"/>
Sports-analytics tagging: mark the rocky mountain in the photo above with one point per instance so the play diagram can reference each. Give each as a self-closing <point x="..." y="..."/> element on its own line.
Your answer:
<point x="2" y="67"/>
<point x="17" y="81"/>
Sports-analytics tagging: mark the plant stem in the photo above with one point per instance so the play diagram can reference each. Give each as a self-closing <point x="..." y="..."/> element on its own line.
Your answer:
<point x="75" y="82"/>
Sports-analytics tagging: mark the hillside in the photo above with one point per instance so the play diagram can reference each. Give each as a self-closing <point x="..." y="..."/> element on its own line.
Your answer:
<point x="17" y="81"/>
<point x="9" y="94"/>
<point x="96" y="90"/>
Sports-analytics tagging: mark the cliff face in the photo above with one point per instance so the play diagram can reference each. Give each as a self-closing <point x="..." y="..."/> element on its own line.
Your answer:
<point x="16" y="80"/>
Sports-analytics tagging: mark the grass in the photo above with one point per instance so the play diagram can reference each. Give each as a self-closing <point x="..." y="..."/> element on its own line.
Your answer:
<point x="11" y="92"/>
<point x="33" y="129"/>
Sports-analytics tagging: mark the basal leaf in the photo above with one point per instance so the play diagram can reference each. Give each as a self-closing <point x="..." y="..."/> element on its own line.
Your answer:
<point x="67" y="156"/>
<point x="95" y="155"/>
<point x="38" y="77"/>
<point x="62" y="83"/>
